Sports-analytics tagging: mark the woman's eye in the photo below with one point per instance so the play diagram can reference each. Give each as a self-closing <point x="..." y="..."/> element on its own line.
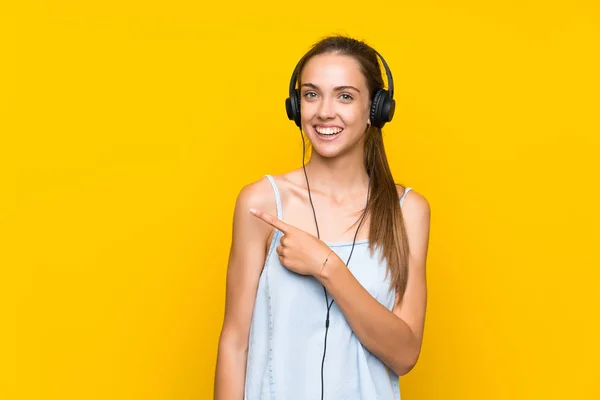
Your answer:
<point x="309" y="95"/>
<point x="346" y="96"/>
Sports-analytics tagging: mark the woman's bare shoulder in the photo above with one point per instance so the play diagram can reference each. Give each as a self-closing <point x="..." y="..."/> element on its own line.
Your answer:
<point x="258" y="194"/>
<point x="261" y="194"/>
<point x="414" y="200"/>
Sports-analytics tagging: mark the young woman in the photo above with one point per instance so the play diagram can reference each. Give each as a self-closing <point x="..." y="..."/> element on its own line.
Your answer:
<point x="326" y="286"/>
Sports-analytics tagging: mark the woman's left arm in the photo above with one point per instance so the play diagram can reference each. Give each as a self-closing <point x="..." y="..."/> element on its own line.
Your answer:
<point x="395" y="336"/>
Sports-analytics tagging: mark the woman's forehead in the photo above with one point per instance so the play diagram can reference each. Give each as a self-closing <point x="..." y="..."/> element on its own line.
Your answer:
<point x="332" y="70"/>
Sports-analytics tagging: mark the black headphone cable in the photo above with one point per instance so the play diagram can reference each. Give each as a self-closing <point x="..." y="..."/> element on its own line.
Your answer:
<point x="327" y="302"/>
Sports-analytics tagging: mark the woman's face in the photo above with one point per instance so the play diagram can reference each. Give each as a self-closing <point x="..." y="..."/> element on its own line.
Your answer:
<point x="334" y="103"/>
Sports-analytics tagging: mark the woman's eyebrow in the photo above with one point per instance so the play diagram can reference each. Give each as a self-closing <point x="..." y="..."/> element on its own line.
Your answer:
<point x="346" y="87"/>
<point x="337" y="88"/>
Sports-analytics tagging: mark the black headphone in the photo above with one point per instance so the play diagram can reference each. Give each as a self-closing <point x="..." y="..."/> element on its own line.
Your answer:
<point x="382" y="106"/>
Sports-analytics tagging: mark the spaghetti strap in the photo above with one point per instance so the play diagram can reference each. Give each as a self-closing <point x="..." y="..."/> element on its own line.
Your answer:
<point x="404" y="195"/>
<point x="277" y="197"/>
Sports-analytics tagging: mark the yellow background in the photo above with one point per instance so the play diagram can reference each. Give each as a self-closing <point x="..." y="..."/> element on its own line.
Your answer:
<point x="128" y="128"/>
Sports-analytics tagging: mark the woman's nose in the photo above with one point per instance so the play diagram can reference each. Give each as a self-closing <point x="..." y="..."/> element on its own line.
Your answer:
<point x="326" y="109"/>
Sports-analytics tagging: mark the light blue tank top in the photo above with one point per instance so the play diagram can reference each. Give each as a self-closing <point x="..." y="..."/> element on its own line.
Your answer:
<point x="288" y="331"/>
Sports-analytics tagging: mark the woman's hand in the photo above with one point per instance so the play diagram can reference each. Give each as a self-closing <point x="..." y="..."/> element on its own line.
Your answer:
<point x="298" y="251"/>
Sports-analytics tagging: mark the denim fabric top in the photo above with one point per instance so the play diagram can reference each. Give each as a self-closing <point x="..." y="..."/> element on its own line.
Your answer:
<point x="288" y="332"/>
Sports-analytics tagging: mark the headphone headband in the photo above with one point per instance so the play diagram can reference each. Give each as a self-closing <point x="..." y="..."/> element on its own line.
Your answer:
<point x="388" y="74"/>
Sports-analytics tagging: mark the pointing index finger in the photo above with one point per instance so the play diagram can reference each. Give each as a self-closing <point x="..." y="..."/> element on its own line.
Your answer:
<point x="271" y="220"/>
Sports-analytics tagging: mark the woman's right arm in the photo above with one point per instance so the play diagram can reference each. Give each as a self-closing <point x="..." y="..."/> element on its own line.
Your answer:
<point x="246" y="259"/>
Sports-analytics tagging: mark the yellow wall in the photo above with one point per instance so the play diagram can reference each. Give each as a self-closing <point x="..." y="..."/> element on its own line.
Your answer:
<point x="127" y="129"/>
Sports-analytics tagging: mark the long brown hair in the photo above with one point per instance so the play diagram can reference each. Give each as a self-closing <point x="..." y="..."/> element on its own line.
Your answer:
<point x="387" y="224"/>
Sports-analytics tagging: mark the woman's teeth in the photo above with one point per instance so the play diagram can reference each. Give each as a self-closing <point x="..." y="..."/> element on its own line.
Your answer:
<point x="328" y="131"/>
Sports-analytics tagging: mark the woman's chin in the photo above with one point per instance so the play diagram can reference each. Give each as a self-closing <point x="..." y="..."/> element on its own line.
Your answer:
<point x="327" y="151"/>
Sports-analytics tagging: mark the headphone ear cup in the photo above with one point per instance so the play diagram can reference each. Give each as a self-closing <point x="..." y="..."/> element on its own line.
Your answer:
<point x="292" y="107"/>
<point x="374" y="107"/>
<point x="297" y="120"/>
<point x="382" y="108"/>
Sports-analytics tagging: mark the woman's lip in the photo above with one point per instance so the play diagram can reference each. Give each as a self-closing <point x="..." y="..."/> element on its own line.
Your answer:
<point x="328" y="126"/>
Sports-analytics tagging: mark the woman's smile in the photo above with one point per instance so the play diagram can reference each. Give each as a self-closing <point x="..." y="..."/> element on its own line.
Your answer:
<point x="327" y="132"/>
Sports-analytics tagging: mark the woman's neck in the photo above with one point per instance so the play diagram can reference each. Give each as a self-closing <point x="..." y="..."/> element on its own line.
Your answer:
<point x="338" y="177"/>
